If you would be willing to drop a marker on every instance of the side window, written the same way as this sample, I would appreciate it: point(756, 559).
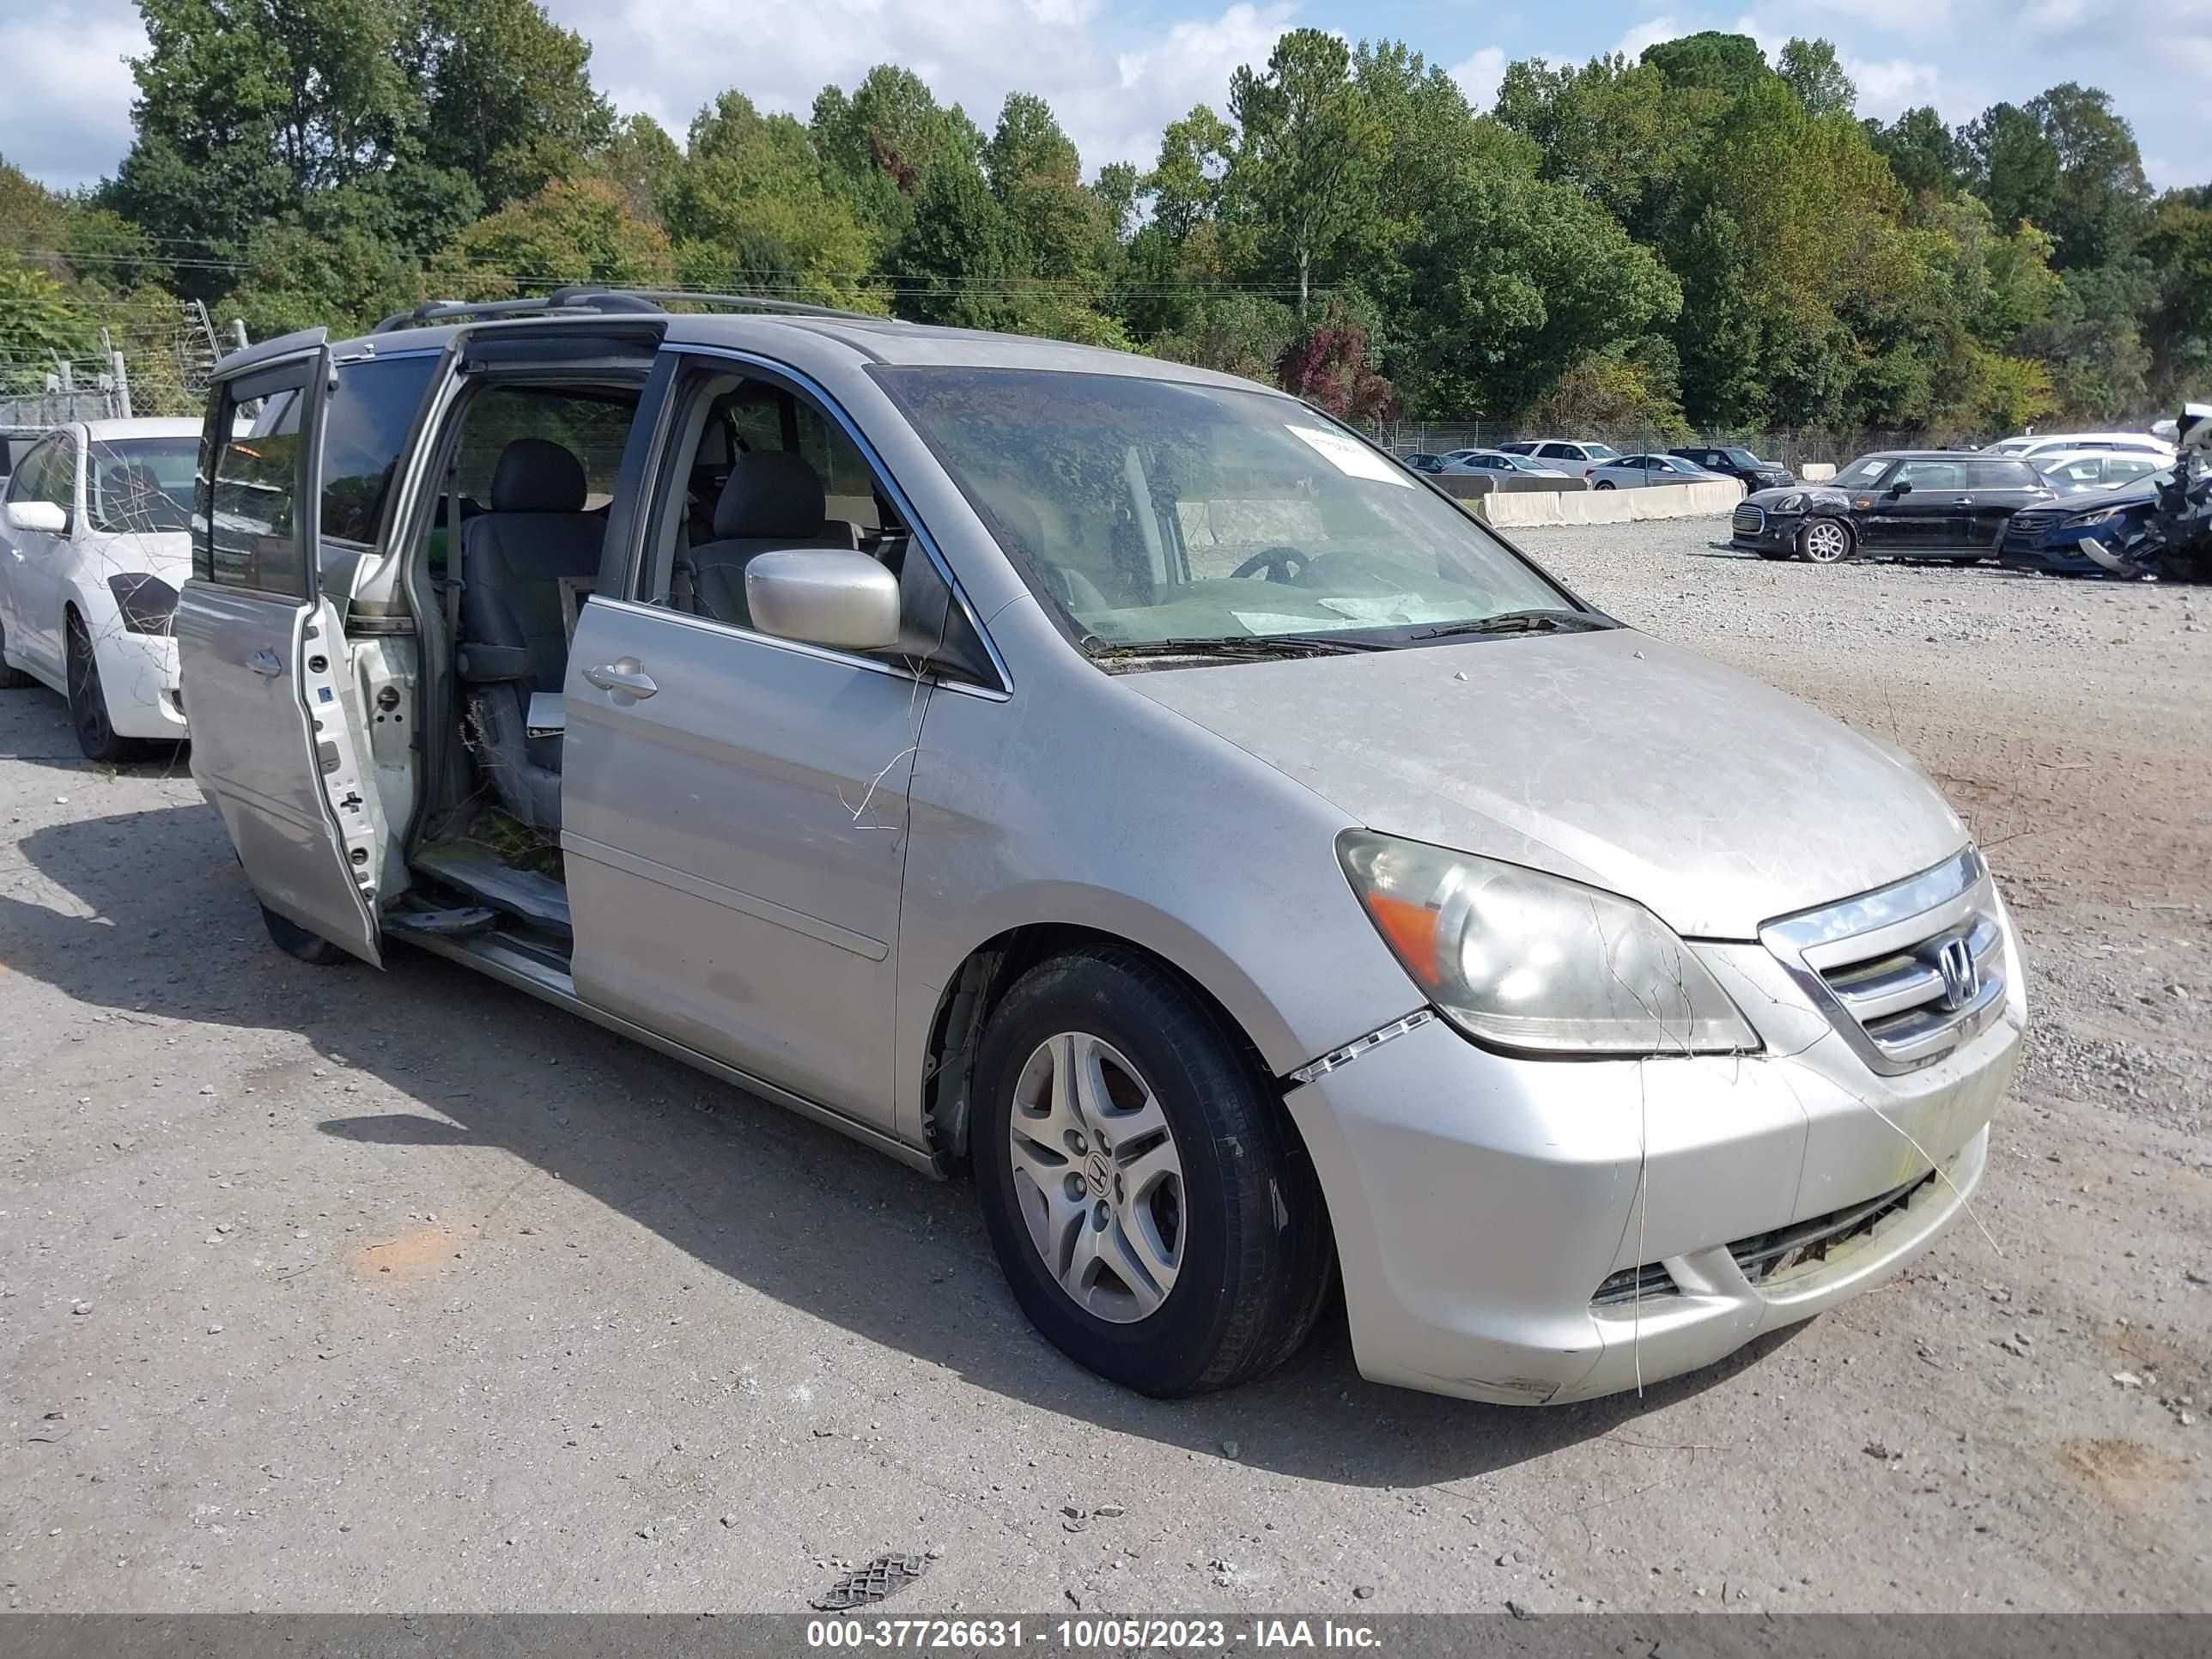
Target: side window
point(2117, 470)
point(28, 480)
point(371, 411)
point(248, 532)
point(1928, 474)
point(57, 478)
point(754, 467)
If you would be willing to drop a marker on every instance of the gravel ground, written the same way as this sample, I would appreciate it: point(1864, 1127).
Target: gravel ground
point(326, 1290)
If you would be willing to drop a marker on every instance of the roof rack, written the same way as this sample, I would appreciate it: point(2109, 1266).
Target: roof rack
point(582, 297)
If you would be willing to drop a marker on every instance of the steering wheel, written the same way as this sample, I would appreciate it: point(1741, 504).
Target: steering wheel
point(1282, 564)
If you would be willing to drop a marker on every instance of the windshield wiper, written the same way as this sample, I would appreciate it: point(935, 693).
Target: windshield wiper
point(1254, 646)
point(1519, 622)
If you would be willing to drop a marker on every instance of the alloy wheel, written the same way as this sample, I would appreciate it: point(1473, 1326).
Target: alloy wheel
point(1826, 541)
point(1099, 1178)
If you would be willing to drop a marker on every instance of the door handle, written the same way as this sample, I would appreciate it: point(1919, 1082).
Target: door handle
point(627, 675)
point(263, 662)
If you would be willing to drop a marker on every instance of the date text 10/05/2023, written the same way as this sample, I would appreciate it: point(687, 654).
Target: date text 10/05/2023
point(1081, 1635)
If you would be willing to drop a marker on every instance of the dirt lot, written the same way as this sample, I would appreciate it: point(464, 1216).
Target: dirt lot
point(334, 1290)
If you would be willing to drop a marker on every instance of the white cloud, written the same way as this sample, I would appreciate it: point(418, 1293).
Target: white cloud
point(1478, 75)
point(1650, 33)
point(66, 117)
point(1890, 88)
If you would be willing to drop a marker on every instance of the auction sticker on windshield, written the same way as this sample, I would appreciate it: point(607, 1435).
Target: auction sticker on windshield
point(1349, 457)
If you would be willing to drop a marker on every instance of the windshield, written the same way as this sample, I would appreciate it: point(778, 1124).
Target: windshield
point(1742, 457)
point(141, 483)
point(1147, 511)
point(1600, 452)
point(1859, 474)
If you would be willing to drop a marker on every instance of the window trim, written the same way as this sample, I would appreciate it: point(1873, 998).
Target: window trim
point(686, 357)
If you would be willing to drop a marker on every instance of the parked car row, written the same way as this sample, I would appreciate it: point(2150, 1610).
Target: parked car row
point(2034, 507)
point(1605, 467)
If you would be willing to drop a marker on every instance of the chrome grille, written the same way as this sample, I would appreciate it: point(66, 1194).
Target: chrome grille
point(1747, 520)
point(2037, 519)
point(1908, 973)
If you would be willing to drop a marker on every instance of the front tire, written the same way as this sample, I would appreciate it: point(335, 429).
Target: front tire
point(87, 700)
point(1602, 484)
point(1825, 541)
point(1145, 1191)
point(294, 940)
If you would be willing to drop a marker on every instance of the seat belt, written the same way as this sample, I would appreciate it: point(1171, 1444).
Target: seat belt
point(455, 576)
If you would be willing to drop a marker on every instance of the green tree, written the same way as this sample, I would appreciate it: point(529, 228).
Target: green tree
point(2015, 165)
point(640, 161)
point(566, 233)
point(2101, 199)
point(1186, 183)
point(39, 322)
point(1710, 61)
point(1235, 332)
point(752, 207)
point(884, 138)
point(962, 260)
point(1306, 151)
point(2178, 249)
point(507, 94)
point(1611, 128)
point(1522, 278)
point(1810, 70)
point(1927, 158)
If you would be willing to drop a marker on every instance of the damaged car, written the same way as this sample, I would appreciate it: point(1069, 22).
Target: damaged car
point(1118, 784)
point(1897, 504)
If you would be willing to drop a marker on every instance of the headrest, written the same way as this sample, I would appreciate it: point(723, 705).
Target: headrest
point(536, 474)
point(773, 493)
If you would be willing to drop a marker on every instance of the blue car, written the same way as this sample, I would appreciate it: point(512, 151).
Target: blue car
point(2050, 538)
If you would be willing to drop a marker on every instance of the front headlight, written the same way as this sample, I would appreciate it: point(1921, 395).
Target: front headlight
point(147, 603)
point(1525, 961)
point(1790, 503)
point(2082, 520)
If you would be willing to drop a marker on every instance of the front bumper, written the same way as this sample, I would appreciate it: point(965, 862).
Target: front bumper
point(1480, 1201)
point(138, 672)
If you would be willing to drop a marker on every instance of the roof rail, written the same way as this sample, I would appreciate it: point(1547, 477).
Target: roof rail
point(585, 297)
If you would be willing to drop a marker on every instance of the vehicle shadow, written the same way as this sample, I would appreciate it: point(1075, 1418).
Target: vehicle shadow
point(884, 1253)
point(38, 734)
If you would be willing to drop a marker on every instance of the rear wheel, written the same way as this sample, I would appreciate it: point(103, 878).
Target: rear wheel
point(1144, 1192)
point(1602, 484)
point(1825, 541)
point(295, 940)
point(11, 679)
point(87, 700)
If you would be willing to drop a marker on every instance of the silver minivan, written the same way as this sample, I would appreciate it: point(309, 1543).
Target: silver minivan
point(1117, 780)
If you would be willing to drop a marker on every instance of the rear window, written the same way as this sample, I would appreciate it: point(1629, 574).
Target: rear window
point(1997, 474)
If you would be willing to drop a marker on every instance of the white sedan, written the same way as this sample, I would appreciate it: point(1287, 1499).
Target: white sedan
point(1635, 471)
point(1493, 461)
point(95, 542)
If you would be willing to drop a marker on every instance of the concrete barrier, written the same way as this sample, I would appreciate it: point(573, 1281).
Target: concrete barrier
point(1694, 501)
point(1817, 471)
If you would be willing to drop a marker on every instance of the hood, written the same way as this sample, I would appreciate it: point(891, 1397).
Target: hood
point(164, 553)
point(1774, 495)
point(1611, 758)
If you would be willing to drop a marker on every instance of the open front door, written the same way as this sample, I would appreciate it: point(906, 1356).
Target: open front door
point(277, 746)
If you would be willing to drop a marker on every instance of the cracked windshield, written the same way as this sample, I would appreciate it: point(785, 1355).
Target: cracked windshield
point(1149, 512)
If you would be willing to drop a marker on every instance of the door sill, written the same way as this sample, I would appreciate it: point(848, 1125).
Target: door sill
point(542, 970)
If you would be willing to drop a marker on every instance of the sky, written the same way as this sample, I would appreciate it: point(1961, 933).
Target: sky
point(1117, 74)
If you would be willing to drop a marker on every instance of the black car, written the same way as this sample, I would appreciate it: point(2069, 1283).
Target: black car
point(1737, 462)
point(1420, 461)
point(1899, 504)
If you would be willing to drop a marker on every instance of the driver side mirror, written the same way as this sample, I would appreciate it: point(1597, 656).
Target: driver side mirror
point(38, 515)
point(1900, 489)
point(824, 596)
